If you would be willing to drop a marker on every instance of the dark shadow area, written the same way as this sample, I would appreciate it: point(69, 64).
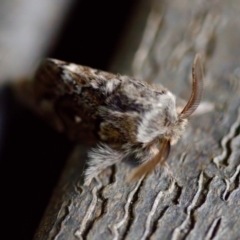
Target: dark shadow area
point(32, 155)
point(91, 33)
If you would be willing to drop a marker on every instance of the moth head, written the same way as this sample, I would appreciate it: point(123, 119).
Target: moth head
point(175, 130)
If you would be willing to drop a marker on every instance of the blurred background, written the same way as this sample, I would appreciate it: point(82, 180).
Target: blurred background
point(84, 32)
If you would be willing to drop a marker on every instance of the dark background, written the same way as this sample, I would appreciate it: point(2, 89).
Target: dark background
point(32, 155)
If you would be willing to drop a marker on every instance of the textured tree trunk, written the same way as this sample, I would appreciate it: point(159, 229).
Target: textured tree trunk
point(201, 201)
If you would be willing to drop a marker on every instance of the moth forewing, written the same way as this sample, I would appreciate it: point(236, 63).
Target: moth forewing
point(129, 118)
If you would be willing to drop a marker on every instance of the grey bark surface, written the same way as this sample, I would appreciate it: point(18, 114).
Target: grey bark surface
point(202, 200)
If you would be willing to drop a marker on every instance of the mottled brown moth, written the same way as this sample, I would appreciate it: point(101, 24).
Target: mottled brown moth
point(130, 118)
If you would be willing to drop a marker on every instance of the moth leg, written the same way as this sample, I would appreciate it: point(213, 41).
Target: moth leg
point(99, 159)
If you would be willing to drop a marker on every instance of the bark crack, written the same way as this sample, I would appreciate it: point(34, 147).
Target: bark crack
point(188, 224)
point(225, 143)
point(79, 233)
point(149, 220)
point(127, 211)
point(231, 184)
point(62, 217)
point(213, 229)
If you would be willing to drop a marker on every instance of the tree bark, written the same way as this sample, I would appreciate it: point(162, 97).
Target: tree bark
point(201, 201)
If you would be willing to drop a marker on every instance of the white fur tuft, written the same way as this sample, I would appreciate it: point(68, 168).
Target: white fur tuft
point(100, 158)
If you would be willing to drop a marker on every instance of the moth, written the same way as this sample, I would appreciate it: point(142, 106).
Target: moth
point(131, 119)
